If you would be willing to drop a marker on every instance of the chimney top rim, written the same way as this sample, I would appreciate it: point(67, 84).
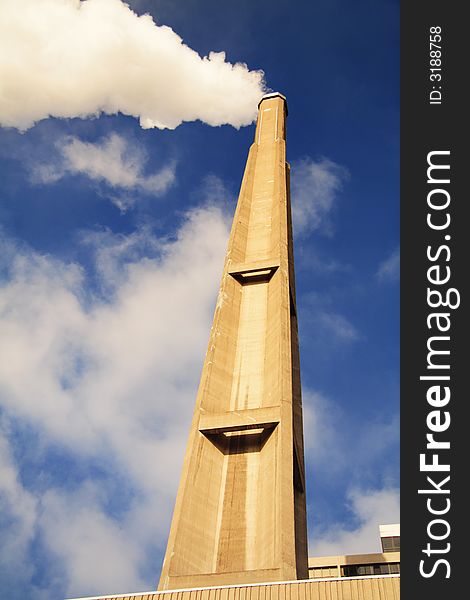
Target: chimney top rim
point(273, 95)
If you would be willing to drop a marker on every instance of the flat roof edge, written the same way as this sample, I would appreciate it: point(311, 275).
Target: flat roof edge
point(235, 585)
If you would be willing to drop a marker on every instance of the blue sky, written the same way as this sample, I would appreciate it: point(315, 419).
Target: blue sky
point(121, 155)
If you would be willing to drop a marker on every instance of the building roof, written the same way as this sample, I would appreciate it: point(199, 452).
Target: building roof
point(380, 587)
point(389, 530)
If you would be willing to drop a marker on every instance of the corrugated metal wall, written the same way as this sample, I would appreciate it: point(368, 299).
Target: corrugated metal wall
point(346, 588)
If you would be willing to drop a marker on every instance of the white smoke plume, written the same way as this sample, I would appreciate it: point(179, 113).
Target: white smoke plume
point(73, 58)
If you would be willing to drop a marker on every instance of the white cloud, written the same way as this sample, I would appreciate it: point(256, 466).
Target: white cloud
point(67, 58)
point(17, 508)
point(320, 416)
point(58, 356)
point(113, 160)
point(370, 508)
point(215, 191)
point(315, 185)
point(338, 325)
point(115, 253)
point(108, 380)
point(99, 551)
point(333, 326)
point(308, 259)
point(389, 269)
point(331, 438)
